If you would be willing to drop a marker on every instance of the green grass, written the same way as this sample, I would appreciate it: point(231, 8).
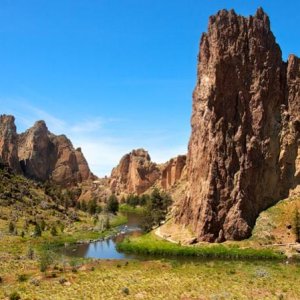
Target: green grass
point(154, 280)
point(126, 208)
point(150, 245)
point(119, 220)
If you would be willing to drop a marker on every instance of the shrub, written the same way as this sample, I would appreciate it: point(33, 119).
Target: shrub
point(30, 253)
point(46, 259)
point(35, 282)
point(53, 231)
point(14, 296)
point(125, 291)
point(22, 277)
point(11, 227)
point(62, 280)
point(37, 230)
point(92, 207)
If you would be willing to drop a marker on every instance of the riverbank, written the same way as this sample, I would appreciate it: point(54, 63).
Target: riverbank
point(126, 208)
point(149, 244)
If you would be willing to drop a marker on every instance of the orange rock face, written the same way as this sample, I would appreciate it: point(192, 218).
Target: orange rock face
point(244, 148)
point(41, 155)
point(134, 174)
point(44, 156)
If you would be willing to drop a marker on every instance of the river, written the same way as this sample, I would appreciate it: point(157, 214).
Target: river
point(106, 249)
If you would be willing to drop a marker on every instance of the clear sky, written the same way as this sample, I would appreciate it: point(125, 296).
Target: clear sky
point(114, 75)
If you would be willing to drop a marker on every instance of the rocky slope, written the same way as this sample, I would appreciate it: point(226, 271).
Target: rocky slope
point(244, 148)
point(41, 155)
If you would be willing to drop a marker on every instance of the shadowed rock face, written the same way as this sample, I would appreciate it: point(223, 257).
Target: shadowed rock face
point(44, 156)
point(8, 142)
point(134, 174)
point(172, 172)
point(244, 148)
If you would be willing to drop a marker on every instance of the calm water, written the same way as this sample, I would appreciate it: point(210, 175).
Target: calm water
point(106, 249)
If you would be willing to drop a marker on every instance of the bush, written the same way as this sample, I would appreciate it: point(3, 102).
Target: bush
point(22, 277)
point(37, 230)
point(30, 253)
point(53, 231)
point(46, 259)
point(14, 296)
point(92, 207)
point(125, 291)
point(11, 227)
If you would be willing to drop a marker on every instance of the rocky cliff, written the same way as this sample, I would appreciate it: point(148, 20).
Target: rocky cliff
point(44, 156)
point(41, 155)
point(244, 148)
point(8, 143)
point(134, 174)
point(172, 172)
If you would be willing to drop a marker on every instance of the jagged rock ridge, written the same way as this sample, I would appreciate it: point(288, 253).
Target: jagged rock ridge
point(136, 173)
point(41, 155)
point(244, 148)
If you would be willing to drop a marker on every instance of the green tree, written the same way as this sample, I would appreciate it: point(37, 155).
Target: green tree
point(112, 204)
point(156, 209)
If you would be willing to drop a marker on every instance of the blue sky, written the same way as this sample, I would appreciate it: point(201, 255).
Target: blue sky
point(114, 75)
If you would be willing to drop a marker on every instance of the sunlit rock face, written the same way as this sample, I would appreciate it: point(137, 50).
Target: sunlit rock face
point(45, 156)
point(244, 148)
point(135, 173)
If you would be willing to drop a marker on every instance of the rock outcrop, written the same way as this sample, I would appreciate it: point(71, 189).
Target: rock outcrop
point(244, 148)
point(41, 155)
point(172, 171)
point(8, 143)
point(45, 156)
point(135, 173)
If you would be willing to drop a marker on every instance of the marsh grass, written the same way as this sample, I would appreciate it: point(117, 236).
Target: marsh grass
point(151, 245)
point(126, 208)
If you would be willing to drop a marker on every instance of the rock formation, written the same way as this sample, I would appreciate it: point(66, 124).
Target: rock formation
point(44, 156)
point(172, 172)
point(244, 148)
point(8, 143)
point(41, 155)
point(134, 174)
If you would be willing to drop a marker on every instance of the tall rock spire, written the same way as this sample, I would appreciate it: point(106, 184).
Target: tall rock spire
point(237, 162)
